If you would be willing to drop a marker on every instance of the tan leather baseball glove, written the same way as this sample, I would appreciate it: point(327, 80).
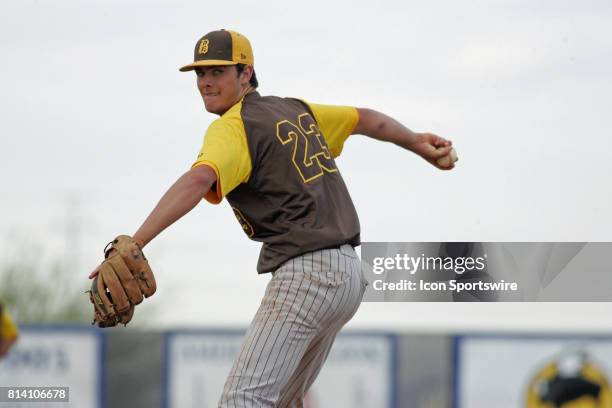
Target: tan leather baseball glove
point(123, 280)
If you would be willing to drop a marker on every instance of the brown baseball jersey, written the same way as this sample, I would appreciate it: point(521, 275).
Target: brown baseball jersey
point(274, 161)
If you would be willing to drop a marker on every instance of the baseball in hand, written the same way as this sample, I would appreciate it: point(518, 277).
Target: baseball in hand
point(448, 160)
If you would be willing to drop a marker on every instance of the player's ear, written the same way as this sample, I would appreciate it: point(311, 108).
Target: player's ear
point(245, 76)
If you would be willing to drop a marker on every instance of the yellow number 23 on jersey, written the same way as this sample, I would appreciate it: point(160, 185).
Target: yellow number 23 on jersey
point(311, 156)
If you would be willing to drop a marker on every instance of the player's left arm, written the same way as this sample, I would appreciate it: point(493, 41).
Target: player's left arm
point(379, 126)
point(180, 198)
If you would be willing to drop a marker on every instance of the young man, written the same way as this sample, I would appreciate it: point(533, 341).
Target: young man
point(8, 331)
point(273, 160)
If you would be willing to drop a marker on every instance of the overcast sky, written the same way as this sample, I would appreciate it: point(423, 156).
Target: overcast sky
point(97, 122)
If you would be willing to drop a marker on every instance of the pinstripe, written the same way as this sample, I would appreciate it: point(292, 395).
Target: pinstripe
point(290, 385)
point(281, 308)
point(297, 356)
point(269, 310)
point(284, 368)
point(347, 313)
point(292, 361)
point(315, 350)
point(325, 347)
point(281, 305)
point(285, 345)
point(327, 337)
point(307, 359)
point(303, 356)
point(319, 308)
point(248, 351)
point(294, 346)
point(256, 328)
point(304, 379)
point(252, 343)
point(300, 378)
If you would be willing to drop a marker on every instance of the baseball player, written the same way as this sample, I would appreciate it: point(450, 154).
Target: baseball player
point(8, 331)
point(272, 159)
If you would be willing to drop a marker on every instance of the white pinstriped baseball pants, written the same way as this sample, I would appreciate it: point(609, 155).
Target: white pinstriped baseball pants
point(307, 301)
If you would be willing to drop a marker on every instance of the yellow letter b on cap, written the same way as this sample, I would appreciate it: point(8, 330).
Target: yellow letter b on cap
point(203, 46)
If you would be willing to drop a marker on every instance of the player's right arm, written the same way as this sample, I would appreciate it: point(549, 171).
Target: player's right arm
point(381, 127)
point(338, 122)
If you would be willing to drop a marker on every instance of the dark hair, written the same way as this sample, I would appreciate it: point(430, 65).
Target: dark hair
point(254, 83)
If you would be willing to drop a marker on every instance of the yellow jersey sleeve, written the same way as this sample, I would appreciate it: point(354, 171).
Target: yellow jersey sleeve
point(336, 123)
point(226, 151)
point(8, 329)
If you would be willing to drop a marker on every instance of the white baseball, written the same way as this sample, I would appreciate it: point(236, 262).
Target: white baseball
point(448, 160)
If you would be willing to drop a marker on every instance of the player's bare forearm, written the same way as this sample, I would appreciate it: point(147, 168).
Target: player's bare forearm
point(379, 126)
point(180, 198)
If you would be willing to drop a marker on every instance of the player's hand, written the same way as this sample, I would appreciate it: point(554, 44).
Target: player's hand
point(94, 273)
point(432, 147)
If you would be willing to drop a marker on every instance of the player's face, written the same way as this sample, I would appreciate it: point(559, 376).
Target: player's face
point(220, 87)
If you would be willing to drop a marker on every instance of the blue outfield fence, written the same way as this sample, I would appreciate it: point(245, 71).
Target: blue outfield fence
point(380, 369)
point(355, 354)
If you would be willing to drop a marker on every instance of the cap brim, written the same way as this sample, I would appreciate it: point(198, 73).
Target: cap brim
point(206, 63)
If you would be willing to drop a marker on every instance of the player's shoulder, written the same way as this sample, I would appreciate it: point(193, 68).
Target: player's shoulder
point(229, 121)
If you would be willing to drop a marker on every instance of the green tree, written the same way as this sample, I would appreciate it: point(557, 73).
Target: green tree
point(42, 294)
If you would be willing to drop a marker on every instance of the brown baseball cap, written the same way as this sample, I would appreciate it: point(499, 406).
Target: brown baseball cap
point(221, 47)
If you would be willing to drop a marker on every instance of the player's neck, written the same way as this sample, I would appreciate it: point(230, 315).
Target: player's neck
point(249, 89)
